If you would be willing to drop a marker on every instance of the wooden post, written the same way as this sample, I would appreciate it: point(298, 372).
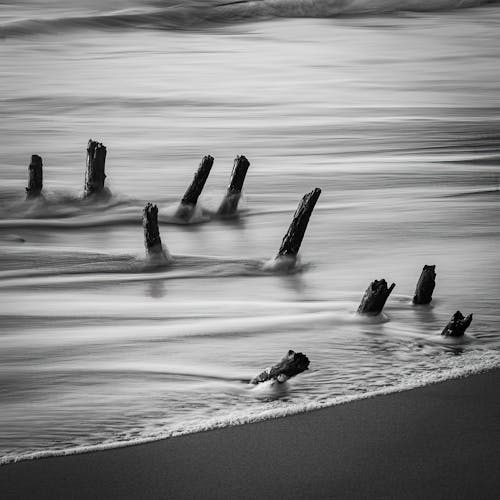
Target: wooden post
point(425, 286)
point(200, 177)
point(35, 182)
point(292, 364)
point(229, 204)
point(293, 238)
point(152, 240)
point(375, 296)
point(457, 325)
point(94, 176)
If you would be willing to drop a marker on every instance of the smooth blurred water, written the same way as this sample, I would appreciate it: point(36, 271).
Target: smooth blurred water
point(396, 117)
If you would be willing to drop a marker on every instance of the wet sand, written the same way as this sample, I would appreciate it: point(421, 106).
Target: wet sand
point(439, 441)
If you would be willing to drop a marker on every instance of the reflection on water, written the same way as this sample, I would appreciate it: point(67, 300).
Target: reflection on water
point(396, 118)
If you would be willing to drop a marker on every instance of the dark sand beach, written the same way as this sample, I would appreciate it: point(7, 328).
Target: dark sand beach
point(439, 441)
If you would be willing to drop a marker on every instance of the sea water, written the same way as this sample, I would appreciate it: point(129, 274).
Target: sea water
point(391, 108)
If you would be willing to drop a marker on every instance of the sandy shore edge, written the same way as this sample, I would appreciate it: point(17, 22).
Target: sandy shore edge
point(437, 441)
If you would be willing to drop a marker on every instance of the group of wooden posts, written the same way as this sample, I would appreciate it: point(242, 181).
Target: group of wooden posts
point(293, 363)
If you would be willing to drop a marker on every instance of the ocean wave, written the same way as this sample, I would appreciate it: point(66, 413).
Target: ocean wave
point(197, 15)
point(477, 363)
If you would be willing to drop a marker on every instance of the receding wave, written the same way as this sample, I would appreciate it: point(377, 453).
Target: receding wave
point(478, 363)
point(196, 15)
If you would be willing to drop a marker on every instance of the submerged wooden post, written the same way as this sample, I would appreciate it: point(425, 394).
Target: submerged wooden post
point(375, 296)
point(35, 182)
point(200, 177)
point(293, 238)
point(152, 240)
point(94, 175)
point(290, 365)
point(230, 202)
point(425, 286)
point(457, 325)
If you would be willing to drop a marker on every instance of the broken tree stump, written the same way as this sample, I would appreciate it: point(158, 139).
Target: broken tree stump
point(292, 364)
point(292, 240)
point(194, 190)
point(230, 202)
point(35, 182)
point(457, 325)
point(425, 286)
point(152, 240)
point(94, 175)
point(375, 296)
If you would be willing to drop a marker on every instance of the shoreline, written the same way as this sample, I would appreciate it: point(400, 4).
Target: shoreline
point(438, 441)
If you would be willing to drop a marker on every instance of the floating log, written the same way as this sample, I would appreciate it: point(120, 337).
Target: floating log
point(230, 202)
point(293, 238)
point(95, 176)
point(457, 325)
point(375, 296)
point(35, 182)
point(292, 364)
point(152, 240)
point(425, 286)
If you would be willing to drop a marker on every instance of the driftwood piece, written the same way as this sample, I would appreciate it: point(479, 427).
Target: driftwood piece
point(200, 177)
point(35, 182)
point(375, 296)
point(457, 325)
point(293, 238)
point(230, 202)
point(292, 364)
point(95, 175)
point(425, 286)
point(152, 240)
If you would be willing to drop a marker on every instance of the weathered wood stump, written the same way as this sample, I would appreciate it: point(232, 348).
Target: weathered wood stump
point(194, 190)
point(292, 240)
point(425, 286)
point(230, 202)
point(35, 182)
point(375, 296)
point(152, 240)
point(457, 325)
point(94, 175)
point(292, 364)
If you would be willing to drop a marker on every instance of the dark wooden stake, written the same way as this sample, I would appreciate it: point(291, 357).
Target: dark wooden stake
point(35, 182)
point(293, 238)
point(375, 296)
point(230, 202)
point(200, 177)
point(95, 176)
point(152, 240)
point(457, 325)
point(292, 364)
point(425, 286)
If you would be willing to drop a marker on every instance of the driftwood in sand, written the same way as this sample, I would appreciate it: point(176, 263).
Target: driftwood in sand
point(230, 202)
point(292, 364)
point(152, 240)
point(94, 175)
point(425, 286)
point(375, 296)
point(35, 182)
point(293, 238)
point(457, 325)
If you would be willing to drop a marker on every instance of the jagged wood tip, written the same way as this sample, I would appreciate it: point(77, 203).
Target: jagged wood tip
point(95, 172)
point(35, 181)
point(230, 202)
point(292, 240)
point(200, 178)
point(375, 297)
point(457, 325)
point(290, 365)
point(425, 286)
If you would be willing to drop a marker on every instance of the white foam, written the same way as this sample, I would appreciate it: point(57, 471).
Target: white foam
point(456, 368)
